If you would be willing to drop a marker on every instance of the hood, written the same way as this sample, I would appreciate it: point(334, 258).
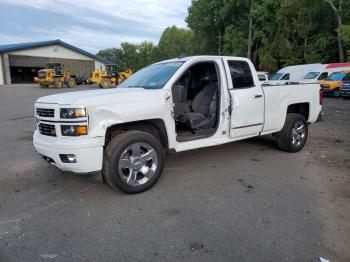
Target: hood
point(102, 97)
point(329, 82)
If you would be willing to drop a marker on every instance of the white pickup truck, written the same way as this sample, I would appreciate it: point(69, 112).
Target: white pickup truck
point(173, 105)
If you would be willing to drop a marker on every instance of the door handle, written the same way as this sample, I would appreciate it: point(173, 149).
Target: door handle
point(257, 96)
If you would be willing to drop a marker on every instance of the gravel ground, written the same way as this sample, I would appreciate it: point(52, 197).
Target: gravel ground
point(244, 201)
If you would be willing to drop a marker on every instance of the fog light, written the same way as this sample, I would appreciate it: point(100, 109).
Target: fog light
point(68, 158)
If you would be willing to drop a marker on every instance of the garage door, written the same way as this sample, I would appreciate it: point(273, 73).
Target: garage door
point(22, 68)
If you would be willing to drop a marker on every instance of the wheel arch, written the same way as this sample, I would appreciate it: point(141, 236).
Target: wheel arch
point(300, 108)
point(155, 127)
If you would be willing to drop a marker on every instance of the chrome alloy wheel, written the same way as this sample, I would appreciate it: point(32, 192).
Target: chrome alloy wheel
point(138, 164)
point(298, 133)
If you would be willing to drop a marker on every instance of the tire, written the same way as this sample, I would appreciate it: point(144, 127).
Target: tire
point(292, 138)
point(105, 83)
point(336, 93)
point(71, 82)
point(126, 170)
point(44, 86)
point(57, 82)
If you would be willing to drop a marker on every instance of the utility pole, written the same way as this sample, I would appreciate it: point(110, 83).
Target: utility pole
point(250, 32)
point(338, 12)
point(219, 41)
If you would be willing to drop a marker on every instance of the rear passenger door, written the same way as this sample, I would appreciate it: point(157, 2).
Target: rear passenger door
point(247, 99)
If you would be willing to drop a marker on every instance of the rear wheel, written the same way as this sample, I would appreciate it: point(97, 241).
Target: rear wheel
point(293, 136)
point(57, 83)
point(133, 162)
point(71, 82)
point(105, 83)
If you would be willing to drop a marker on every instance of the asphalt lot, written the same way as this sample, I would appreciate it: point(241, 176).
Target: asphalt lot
point(244, 201)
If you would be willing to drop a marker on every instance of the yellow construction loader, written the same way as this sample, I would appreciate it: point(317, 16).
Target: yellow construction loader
point(53, 74)
point(110, 76)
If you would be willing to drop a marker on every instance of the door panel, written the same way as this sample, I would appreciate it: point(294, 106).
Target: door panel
point(247, 99)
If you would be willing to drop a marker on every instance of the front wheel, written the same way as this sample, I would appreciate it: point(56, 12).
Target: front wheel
point(105, 83)
point(293, 136)
point(133, 162)
point(71, 82)
point(57, 83)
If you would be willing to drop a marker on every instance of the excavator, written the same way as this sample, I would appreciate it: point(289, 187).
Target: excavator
point(110, 76)
point(53, 74)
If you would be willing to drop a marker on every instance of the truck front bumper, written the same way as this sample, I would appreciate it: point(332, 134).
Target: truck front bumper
point(88, 152)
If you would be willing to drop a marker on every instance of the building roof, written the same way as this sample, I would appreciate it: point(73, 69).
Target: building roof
point(21, 46)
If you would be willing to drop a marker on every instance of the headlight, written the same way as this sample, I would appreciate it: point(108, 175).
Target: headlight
point(72, 113)
point(74, 130)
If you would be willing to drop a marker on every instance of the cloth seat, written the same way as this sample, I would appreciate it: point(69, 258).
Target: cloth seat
point(180, 91)
point(204, 107)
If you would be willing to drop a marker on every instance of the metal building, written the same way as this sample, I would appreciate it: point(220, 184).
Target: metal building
point(19, 63)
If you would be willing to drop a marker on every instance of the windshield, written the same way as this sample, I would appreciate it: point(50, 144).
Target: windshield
point(152, 77)
point(312, 75)
point(337, 76)
point(276, 76)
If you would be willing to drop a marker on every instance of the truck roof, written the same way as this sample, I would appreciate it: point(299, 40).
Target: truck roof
point(184, 59)
point(336, 65)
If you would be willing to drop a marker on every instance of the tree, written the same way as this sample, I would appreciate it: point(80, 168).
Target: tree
point(338, 11)
point(250, 31)
point(176, 41)
point(273, 33)
point(346, 39)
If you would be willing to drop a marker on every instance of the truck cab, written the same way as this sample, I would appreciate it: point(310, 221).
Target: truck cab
point(171, 106)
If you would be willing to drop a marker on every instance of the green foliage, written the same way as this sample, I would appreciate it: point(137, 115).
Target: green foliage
point(346, 39)
point(285, 32)
point(175, 41)
point(131, 56)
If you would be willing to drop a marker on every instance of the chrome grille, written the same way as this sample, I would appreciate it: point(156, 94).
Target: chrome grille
point(45, 112)
point(47, 130)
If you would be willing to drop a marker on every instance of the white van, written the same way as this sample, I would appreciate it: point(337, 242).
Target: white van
point(263, 77)
point(323, 71)
point(291, 74)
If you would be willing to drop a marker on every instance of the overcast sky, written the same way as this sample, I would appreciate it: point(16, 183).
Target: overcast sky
point(89, 24)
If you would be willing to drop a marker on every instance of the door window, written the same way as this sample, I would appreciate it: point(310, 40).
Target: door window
point(346, 78)
point(323, 76)
point(241, 74)
point(285, 77)
point(262, 77)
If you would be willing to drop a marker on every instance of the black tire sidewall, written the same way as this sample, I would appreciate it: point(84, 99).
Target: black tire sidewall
point(284, 140)
point(118, 149)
